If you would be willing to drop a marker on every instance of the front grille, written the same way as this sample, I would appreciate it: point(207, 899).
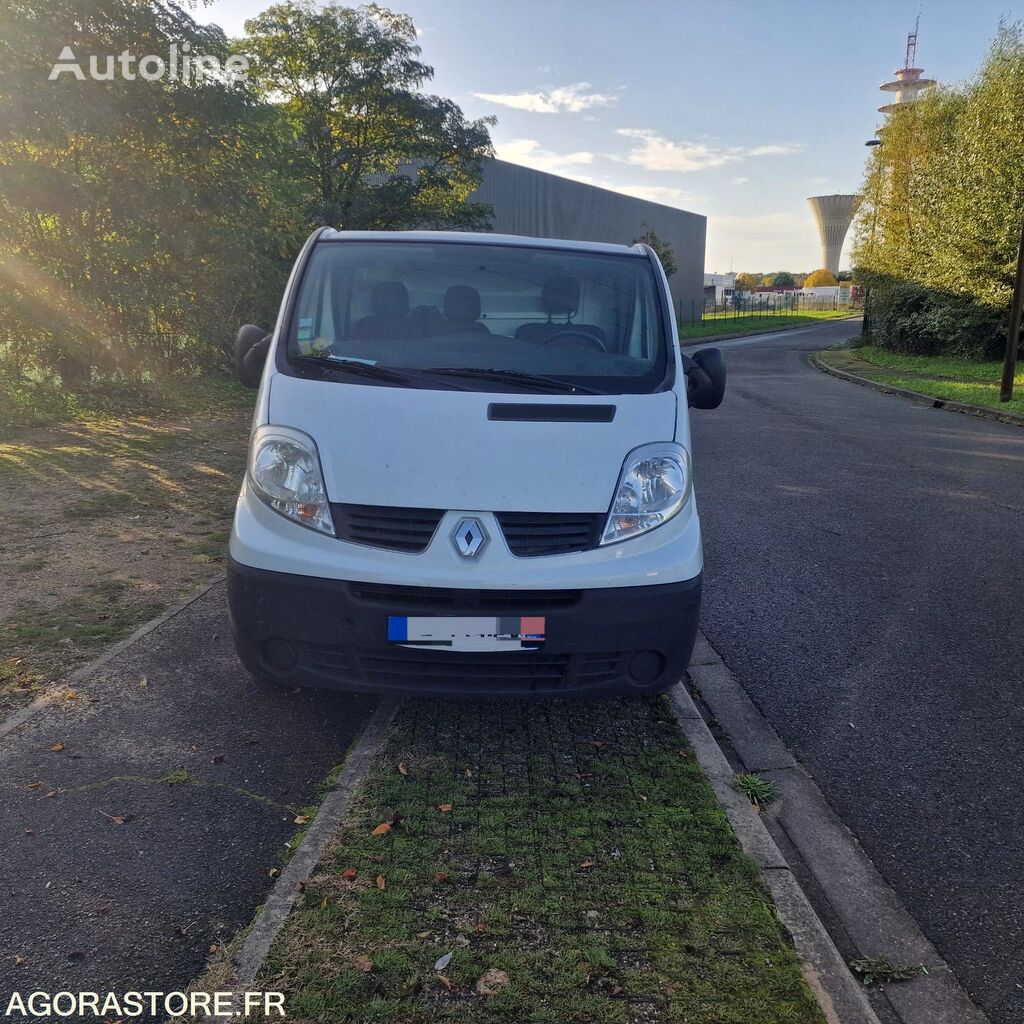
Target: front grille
point(513, 602)
point(384, 526)
point(529, 534)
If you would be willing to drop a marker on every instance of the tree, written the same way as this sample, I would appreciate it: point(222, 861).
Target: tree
point(820, 278)
point(373, 150)
point(139, 220)
point(664, 249)
point(780, 279)
point(747, 282)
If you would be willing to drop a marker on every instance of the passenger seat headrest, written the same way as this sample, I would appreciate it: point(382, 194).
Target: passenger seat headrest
point(462, 303)
point(560, 295)
point(390, 299)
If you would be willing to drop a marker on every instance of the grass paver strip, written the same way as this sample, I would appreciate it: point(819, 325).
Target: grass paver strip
point(715, 324)
point(583, 856)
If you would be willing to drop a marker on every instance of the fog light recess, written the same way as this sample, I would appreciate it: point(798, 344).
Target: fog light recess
point(646, 666)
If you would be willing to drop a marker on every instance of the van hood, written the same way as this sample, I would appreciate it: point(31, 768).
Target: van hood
point(439, 449)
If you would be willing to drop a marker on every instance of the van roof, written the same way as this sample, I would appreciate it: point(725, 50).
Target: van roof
point(479, 237)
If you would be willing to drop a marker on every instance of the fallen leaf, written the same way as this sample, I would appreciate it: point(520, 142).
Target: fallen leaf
point(71, 694)
point(402, 770)
point(29, 832)
point(491, 982)
point(381, 882)
point(349, 874)
point(440, 876)
point(480, 926)
point(143, 681)
point(117, 819)
point(382, 828)
point(12, 661)
point(443, 962)
point(57, 747)
point(444, 808)
point(217, 759)
point(33, 785)
point(300, 819)
point(597, 744)
point(423, 935)
point(214, 948)
point(46, 796)
point(363, 962)
point(446, 982)
point(586, 864)
point(274, 872)
point(19, 960)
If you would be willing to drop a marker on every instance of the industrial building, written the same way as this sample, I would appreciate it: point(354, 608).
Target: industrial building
point(529, 202)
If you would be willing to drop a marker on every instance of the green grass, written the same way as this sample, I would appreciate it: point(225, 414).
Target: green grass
point(955, 380)
point(725, 323)
point(32, 399)
point(583, 855)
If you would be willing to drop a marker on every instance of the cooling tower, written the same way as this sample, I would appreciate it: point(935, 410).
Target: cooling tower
point(833, 215)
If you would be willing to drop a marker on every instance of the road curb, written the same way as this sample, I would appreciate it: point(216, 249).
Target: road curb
point(917, 397)
point(335, 806)
point(841, 997)
point(822, 857)
point(84, 672)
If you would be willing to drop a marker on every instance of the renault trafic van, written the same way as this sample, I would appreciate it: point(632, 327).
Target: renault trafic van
point(470, 470)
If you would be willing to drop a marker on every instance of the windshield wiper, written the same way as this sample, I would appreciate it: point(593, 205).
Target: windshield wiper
point(513, 377)
point(361, 369)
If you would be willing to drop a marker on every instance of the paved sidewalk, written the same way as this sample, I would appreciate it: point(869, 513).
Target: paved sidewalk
point(206, 770)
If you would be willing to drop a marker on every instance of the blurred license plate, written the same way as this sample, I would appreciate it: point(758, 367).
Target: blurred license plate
point(468, 633)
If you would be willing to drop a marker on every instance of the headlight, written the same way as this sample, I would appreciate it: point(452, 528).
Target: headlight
point(284, 469)
point(653, 487)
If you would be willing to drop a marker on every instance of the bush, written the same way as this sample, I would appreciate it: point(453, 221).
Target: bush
point(822, 278)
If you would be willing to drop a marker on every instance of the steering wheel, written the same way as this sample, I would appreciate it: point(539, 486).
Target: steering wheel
point(570, 338)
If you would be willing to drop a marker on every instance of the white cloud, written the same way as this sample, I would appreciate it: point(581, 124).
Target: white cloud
point(661, 194)
point(565, 99)
point(530, 153)
point(739, 180)
point(654, 152)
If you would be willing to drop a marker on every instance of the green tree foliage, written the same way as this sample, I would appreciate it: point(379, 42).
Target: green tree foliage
point(372, 148)
point(943, 196)
point(748, 282)
point(664, 249)
point(139, 220)
point(780, 279)
point(819, 279)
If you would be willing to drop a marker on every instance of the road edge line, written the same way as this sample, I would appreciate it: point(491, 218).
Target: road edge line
point(271, 916)
point(83, 672)
point(917, 397)
point(841, 997)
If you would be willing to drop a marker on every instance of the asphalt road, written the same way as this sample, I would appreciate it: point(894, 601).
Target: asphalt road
point(150, 834)
point(865, 583)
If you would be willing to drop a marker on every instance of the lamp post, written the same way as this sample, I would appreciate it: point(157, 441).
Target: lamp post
point(1013, 331)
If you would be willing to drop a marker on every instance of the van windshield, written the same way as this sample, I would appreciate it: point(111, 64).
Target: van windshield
point(479, 317)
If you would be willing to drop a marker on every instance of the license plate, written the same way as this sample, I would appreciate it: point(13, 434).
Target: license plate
point(468, 633)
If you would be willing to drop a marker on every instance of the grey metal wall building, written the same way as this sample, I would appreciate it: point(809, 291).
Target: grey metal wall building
point(529, 202)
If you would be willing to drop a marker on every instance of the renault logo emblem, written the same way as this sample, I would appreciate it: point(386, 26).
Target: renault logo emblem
point(469, 537)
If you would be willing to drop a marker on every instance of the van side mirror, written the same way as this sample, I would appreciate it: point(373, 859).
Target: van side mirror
point(251, 346)
point(705, 378)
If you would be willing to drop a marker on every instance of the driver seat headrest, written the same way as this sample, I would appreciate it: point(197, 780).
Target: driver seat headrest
point(390, 299)
point(560, 295)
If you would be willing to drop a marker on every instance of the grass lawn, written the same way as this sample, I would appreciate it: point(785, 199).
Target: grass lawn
point(956, 380)
point(725, 323)
point(115, 508)
point(547, 863)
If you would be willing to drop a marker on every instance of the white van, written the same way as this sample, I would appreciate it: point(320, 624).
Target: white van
point(470, 470)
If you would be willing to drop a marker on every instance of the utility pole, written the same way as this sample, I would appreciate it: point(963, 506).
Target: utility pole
point(1013, 332)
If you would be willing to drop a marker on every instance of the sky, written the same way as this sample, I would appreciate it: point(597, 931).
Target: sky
point(734, 109)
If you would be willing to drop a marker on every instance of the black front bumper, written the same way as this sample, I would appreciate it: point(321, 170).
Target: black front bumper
point(306, 631)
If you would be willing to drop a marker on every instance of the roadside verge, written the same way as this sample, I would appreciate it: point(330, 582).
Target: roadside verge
point(819, 361)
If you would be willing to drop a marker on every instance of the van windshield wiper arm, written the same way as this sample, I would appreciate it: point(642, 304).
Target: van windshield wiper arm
point(513, 377)
point(361, 369)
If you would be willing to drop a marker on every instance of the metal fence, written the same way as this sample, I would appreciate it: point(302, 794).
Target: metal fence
point(745, 305)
